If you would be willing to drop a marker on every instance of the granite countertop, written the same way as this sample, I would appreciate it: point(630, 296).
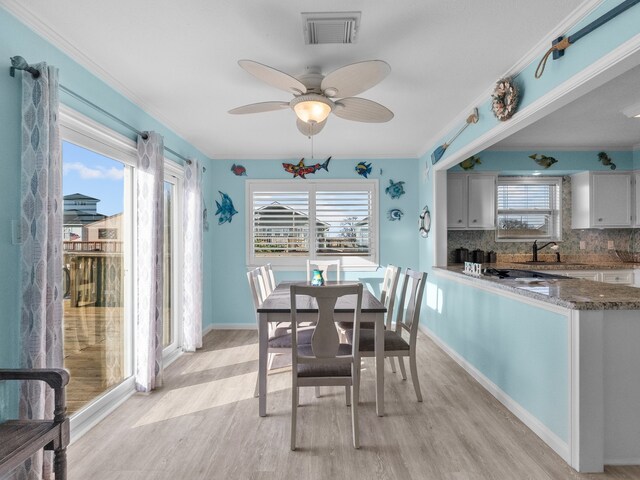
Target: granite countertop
point(558, 266)
point(573, 293)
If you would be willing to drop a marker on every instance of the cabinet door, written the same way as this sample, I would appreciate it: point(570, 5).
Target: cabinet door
point(482, 202)
point(586, 274)
point(611, 200)
point(457, 201)
point(624, 277)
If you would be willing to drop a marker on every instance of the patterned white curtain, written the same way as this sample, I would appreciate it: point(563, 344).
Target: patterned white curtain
point(148, 262)
point(41, 249)
point(192, 296)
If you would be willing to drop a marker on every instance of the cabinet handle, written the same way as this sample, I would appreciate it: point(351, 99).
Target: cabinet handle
point(459, 221)
point(599, 219)
point(474, 220)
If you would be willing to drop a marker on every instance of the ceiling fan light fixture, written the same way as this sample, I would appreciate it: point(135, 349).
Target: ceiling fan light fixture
point(312, 108)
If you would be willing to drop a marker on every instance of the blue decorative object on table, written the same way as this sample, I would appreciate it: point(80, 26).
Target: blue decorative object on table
point(317, 280)
point(225, 209)
point(395, 190)
point(395, 214)
point(363, 168)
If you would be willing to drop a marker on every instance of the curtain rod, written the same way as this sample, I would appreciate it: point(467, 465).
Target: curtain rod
point(19, 63)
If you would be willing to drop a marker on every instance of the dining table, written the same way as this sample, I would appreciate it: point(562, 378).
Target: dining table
point(277, 308)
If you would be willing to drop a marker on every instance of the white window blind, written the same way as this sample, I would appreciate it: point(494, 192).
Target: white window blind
point(294, 220)
point(529, 208)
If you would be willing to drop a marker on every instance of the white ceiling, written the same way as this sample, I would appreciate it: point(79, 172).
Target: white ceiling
point(594, 121)
point(178, 60)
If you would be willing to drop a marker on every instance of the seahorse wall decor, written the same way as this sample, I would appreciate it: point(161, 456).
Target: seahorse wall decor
point(606, 160)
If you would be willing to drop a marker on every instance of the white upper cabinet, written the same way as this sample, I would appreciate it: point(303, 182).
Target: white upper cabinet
point(471, 201)
point(601, 200)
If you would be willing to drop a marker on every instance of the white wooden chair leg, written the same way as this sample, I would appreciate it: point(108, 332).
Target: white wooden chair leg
point(317, 392)
point(402, 369)
point(393, 364)
point(414, 375)
point(294, 412)
point(347, 393)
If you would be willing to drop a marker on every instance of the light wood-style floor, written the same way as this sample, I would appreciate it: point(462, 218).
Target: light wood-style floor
point(204, 424)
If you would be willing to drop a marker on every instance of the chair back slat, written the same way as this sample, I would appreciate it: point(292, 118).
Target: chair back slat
point(325, 341)
point(254, 278)
point(268, 278)
point(325, 266)
point(409, 309)
point(388, 291)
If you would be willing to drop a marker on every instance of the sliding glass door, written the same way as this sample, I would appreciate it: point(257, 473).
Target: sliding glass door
point(172, 274)
point(96, 245)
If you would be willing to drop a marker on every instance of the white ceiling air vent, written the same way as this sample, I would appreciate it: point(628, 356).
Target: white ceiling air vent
point(330, 27)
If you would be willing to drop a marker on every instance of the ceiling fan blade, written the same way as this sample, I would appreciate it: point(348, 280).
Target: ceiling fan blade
point(274, 77)
point(310, 129)
point(362, 110)
point(260, 107)
point(355, 78)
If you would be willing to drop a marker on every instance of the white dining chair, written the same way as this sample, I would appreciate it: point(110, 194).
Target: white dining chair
point(279, 339)
point(406, 321)
point(325, 361)
point(325, 266)
point(268, 278)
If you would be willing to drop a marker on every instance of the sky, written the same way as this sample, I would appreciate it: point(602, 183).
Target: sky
point(94, 175)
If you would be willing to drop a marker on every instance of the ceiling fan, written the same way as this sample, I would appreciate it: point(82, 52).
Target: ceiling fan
point(316, 95)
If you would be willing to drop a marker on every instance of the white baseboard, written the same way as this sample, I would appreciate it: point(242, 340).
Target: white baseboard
point(622, 461)
point(556, 443)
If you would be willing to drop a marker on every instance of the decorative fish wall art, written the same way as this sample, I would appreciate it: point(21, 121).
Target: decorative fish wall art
point(239, 170)
point(606, 160)
point(226, 210)
point(395, 190)
point(395, 214)
point(364, 169)
point(543, 160)
point(300, 170)
point(470, 162)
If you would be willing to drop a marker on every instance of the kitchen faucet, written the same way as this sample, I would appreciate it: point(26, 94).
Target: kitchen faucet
point(535, 249)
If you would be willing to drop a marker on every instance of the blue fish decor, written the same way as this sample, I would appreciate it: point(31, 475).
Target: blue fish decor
point(543, 160)
point(395, 214)
point(395, 190)
point(226, 211)
point(364, 169)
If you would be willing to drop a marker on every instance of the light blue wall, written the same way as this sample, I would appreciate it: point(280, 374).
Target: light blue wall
point(228, 302)
point(482, 328)
point(521, 348)
point(16, 39)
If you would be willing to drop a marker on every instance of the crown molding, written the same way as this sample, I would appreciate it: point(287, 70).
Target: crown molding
point(534, 53)
point(24, 15)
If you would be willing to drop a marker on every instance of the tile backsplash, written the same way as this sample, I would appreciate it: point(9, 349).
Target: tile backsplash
point(596, 240)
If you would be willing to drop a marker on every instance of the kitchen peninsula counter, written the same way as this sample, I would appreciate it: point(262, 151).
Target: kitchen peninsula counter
point(572, 293)
point(560, 353)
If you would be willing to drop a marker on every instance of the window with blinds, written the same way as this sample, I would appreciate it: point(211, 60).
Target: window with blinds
point(291, 221)
point(529, 209)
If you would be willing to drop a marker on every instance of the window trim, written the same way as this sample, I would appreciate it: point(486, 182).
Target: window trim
point(528, 180)
point(349, 263)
